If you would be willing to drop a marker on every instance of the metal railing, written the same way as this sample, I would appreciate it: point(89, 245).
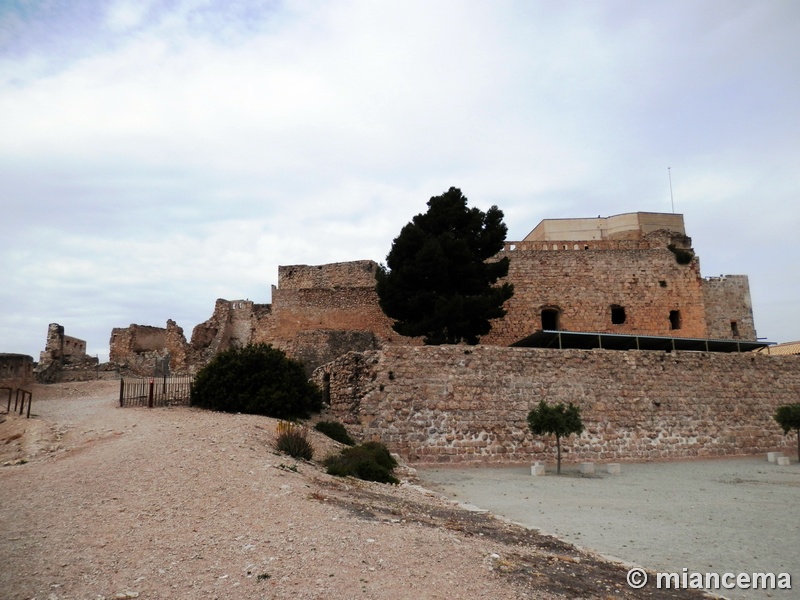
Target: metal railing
point(19, 400)
point(155, 391)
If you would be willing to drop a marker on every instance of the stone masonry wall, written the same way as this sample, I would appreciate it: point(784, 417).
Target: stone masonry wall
point(729, 311)
point(296, 310)
point(583, 286)
point(135, 339)
point(64, 358)
point(16, 370)
point(470, 404)
point(59, 346)
point(357, 273)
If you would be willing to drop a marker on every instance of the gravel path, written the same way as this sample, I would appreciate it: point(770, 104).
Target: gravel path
point(99, 502)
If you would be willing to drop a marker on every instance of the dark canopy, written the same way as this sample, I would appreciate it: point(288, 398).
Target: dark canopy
point(614, 341)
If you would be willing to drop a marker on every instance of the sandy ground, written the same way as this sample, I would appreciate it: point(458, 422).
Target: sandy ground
point(726, 515)
point(99, 502)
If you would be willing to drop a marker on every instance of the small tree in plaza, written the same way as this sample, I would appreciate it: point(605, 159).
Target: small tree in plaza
point(788, 417)
point(558, 420)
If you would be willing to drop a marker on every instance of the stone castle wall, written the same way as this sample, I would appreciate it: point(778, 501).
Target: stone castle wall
point(136, 339)
point(60, 346)
point(350, 309)
point(317, 314)
point(729, 311)
point(467, 404)
point(354, 274)
point(647, 284)
point(64, 358)
point(16, 370)
point(627, 286)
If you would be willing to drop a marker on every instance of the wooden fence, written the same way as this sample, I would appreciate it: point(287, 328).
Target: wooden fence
point(155, 391)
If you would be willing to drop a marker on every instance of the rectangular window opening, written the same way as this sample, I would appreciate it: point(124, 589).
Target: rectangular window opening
point(674, 319)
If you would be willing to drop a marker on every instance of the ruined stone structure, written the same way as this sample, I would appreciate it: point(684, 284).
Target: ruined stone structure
point(633, 274)
point(138, 347)
point(317, 313)
point(459, 404)
point(64, 357)
point(16, 370)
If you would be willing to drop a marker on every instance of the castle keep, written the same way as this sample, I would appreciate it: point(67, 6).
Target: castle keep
point(628, 274)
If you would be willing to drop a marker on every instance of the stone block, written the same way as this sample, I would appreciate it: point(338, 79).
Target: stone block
point(587, 468)
point(773, 456)
point(537, 469)
point(613, 469)
point(783, 461)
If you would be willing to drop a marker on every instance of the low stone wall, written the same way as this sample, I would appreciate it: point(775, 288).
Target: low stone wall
point(459, 403)
point(16, 370)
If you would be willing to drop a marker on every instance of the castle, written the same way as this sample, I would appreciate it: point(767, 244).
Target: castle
point(609, 313)
point(630, 274)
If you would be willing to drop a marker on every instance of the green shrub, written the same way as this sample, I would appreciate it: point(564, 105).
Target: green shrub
point(293, 440)
point(335, 431)
point(256, 379)
point(370, 461)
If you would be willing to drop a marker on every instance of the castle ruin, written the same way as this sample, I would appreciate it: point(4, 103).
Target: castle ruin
point(317, 313)
point(64, 358)
point(627, 282)
point(631, 274)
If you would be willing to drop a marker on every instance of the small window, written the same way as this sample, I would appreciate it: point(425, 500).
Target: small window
point(674, 319)
point(735, 329)
point(617, 314)
point(662, 283)
point(586, 247)
point(550, 319)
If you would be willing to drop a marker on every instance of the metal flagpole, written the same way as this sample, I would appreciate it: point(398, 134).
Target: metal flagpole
point(669, 172)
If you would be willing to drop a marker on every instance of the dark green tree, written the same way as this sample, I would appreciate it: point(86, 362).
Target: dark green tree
point(438, 281)
point(256, 379)
point(788, 417)
point(558, 420)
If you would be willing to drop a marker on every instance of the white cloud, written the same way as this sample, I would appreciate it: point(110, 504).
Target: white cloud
point(158, 155)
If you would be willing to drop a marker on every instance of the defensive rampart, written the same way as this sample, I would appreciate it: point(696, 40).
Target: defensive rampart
point(16, 370)
point(470, 404)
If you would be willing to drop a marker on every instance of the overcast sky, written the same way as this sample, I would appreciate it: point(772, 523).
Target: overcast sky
point(158, 155)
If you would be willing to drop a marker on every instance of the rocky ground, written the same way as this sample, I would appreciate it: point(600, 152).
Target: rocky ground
point(102, 502)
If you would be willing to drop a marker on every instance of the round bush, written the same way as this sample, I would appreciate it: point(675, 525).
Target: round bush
point(256, 379)
point(335, 431)
point(370, 461)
